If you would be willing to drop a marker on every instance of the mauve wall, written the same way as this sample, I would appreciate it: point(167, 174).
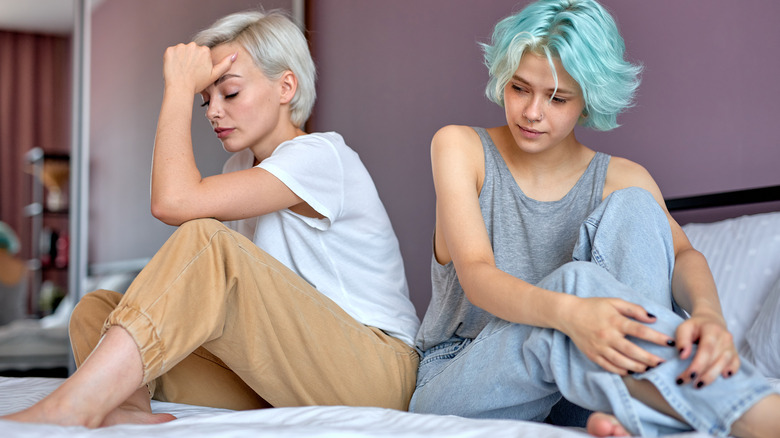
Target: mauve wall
point(393, 72)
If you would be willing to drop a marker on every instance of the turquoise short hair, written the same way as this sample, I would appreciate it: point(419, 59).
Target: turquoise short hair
point(8, 239)
point(584, 36)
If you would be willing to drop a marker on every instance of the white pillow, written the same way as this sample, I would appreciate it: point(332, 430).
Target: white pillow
point(744, 256)
point(762, 343)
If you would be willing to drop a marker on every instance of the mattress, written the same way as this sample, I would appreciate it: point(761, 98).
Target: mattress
point(312, 421)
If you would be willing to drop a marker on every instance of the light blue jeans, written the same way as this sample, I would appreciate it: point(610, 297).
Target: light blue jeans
point(519, 372)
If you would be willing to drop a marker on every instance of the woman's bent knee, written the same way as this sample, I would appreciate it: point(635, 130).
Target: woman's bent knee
point(94, 306)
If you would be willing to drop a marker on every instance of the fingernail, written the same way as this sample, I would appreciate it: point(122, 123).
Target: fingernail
point(233, 58)
point(630, 372)
point(681, 350)
point(648, 368)
point(730, 373)
point(696, 342)
point(700, 384)
point(650, 315)
point(679, 381)
point(671, 343)
point(693, 375)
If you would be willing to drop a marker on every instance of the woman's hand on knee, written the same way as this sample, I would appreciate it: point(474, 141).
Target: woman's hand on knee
point(715, 353)
point(600, 329)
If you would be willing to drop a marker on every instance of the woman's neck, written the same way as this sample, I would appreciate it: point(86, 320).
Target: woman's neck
point(283, 133)
point(547, 175)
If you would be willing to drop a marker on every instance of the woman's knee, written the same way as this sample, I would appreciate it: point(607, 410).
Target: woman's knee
point(633, 197)
point(206, 225)
point(94, 306)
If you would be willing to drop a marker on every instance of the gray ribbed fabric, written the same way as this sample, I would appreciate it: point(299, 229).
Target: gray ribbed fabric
point(530, 239)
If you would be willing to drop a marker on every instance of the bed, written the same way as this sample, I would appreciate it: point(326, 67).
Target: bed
point(743, 252)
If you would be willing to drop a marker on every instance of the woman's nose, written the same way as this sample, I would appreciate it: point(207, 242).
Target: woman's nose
point(214, 110)
point(534, 109)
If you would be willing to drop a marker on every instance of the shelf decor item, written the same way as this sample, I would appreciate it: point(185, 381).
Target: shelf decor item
point(55, 177)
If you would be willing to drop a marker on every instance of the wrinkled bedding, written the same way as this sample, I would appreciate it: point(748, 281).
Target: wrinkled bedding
point(313, 421)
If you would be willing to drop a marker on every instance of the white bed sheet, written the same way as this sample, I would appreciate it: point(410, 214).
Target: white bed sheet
point(314, 421)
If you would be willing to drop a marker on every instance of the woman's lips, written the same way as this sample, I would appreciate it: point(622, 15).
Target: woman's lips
point(223, 132)
point(529, 133)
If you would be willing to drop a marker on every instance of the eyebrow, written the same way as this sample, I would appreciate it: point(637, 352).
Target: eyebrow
point(558, 91)
point(225, 77)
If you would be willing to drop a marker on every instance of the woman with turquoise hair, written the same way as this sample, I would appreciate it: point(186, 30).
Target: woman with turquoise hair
point(557, 270)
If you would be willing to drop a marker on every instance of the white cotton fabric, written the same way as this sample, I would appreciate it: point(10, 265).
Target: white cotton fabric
point(762, 343)
point(744, 256)
point(352, 254)
point(299, 422)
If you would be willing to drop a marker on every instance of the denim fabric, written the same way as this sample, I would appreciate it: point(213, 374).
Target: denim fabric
point(519, 372)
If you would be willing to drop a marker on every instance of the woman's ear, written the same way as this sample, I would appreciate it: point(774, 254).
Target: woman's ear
point(289, 85)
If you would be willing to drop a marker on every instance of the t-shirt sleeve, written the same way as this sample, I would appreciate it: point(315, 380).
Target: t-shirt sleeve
point(311, 167)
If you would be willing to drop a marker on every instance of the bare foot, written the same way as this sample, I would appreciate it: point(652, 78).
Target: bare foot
point(601, 424)
point(36, 416)
point(120, 415)
point(127, 414)
point(47, 412)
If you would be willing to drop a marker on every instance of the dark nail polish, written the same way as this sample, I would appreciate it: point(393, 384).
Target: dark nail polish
point(630, 373)
point(700, 384)
point(693, 375)
point(650, 315)
point(696, 342)
point(670, 343)
point(681, 350)
point(730, 373)
point(679, 381)
point(648, 368)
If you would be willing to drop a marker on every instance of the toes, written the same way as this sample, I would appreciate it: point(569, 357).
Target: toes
point(601, 424)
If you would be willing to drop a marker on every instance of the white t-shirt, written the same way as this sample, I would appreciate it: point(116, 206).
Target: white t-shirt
point(352, 254)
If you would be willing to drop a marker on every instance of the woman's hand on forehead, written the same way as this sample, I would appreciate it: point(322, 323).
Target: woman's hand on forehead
point(189, 66)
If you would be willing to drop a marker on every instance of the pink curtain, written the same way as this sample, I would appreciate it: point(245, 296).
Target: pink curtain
point(34, 112)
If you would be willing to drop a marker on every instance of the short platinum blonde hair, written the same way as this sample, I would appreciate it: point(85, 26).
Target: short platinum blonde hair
point(276, 45)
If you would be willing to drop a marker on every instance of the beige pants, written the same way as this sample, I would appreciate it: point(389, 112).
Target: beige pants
point(221, 323)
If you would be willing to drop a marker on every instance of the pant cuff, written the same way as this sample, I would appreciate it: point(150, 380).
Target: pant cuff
point(144, 333)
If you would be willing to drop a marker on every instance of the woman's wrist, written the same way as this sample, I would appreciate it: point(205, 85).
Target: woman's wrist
point(562, 310)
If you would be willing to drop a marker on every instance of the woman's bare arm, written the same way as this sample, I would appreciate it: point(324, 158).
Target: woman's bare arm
point(179, 192)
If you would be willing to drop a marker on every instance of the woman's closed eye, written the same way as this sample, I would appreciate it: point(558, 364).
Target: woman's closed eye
point(227, 96)
point(518, 88)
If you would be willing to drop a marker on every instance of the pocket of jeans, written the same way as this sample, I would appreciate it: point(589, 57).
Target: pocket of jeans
point(434, 359)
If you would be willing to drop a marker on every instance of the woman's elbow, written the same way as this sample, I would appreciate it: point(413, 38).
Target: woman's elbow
point(166, 213)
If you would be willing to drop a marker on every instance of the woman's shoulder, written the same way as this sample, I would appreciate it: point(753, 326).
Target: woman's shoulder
point(456, 139)
point(313, 146)
point(457, 134)
point(623, 173)
point(332, 139)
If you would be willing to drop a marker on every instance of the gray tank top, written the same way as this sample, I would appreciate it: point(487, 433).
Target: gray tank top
point(530, 239)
